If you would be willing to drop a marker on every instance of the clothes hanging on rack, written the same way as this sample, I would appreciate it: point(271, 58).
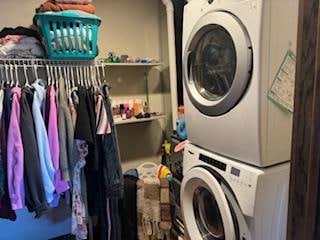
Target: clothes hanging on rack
point(15, 164)
point(61, 137)
point(66, 133)
point(5, 203)
point(34, 188)
point(46, 163)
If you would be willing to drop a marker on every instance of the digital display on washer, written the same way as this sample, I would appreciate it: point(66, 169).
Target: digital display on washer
point(235, 171)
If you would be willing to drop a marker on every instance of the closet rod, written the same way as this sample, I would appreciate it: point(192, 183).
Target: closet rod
point(44, 62)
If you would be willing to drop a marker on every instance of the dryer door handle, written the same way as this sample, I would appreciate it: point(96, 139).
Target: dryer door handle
point(186, 66)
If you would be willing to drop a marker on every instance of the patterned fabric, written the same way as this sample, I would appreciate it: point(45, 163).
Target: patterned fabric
point(79, 222)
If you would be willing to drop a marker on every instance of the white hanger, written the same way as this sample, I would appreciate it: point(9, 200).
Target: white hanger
point(11, 75)
point(93, 76)
point(56, 77)
point(66, 71)
point(51, 75)
point(86, 79)
point(81, 76)
point(7, 73)
point(48, 74)
point(78, 75)
point(26, 76)
point(72, 78)
point(103, 73)
point(2, 75)
point(98, 74)
point(17, 75)
point(35, 69)
point(87, 76)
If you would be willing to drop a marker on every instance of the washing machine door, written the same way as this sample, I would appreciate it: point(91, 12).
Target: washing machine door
point(217, 63)
point(210, 210)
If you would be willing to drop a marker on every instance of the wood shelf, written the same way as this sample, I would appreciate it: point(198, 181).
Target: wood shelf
point(119, 121)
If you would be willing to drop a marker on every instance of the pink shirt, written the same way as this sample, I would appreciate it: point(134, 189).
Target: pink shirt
point(53, 137)
point(15, 154)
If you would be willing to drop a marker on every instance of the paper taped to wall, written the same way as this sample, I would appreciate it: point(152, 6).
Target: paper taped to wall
point(282, 89)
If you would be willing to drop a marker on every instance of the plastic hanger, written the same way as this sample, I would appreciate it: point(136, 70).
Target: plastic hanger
point(48, 74)
point(66, 79)
point(103, 73)
point(11, 75)
point(74, 87)
point(98, 74)
point(81, 76)
point(93, 75)
point(17, 75)
point(72, 78)
point(84, 75)
point(35, 69)
point(78, 75)
point(60, 76)
point(88, 78)
point(7, 73)
point(2, 76)
point(85, 79)
point(56, 76)
point(26, 76)
point(52, 75)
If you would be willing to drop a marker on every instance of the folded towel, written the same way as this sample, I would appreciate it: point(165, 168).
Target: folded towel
point(74, 1)
point(53, 6)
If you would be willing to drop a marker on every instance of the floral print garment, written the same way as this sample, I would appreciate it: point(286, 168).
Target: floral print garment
point(79, 221)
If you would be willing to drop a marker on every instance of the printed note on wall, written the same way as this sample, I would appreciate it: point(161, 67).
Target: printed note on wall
point(282, 89)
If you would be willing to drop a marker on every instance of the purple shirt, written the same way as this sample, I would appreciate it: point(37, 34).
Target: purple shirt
point(60, 185)
point(15, 154)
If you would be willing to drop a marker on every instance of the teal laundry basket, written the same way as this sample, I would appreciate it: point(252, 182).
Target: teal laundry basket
point(69, 35)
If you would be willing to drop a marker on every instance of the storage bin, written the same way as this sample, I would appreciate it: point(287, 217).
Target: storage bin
point(69, 34)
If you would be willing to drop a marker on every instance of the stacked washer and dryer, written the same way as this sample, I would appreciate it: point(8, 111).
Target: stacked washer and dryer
point(236, 169)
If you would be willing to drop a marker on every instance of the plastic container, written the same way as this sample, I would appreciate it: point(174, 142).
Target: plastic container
point(69, 34)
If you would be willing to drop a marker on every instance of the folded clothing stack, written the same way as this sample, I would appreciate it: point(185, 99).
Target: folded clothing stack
point(62, 5)
point(20, 42)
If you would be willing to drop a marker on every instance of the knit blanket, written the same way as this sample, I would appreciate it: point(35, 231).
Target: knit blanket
point(153, 209)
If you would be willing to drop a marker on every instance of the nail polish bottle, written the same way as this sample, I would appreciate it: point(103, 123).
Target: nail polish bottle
point(123, 112)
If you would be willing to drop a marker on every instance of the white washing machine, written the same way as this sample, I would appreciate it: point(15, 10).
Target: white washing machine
point(232, 51)
point(223, 199)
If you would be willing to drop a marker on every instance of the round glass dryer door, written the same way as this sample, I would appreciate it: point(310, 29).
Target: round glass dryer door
point(217, 63)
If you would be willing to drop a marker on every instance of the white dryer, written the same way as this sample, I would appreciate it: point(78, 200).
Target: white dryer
point(232, 50)
point(223, 199)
